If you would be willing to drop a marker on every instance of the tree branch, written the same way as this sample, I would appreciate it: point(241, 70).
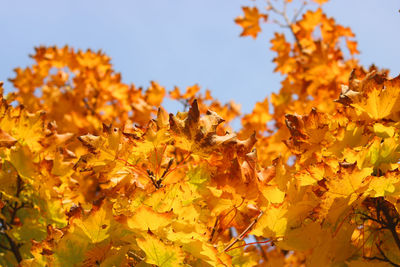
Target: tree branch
point(244, 233)
point(285, 17)
point(14, 247)
point(390, 222)
point(4, 247)
point(384, 257)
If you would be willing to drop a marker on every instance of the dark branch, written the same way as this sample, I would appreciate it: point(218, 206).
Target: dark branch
point(14, 248)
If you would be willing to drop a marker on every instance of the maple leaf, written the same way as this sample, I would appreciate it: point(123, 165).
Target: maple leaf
point(257, 120)
point(159, 253)
point(6, 140)
point(320, 1)
point(284, 62)
point(384, 186)
point(272, 224)
point(311, 175)
point(352, 46)
point(155, 94)
point(374, 95)
point(250, 21)
point(307, 131)
point(191, 91)
point(96, 255)
point(196, 134)
point(145, 218)
point(96, 225)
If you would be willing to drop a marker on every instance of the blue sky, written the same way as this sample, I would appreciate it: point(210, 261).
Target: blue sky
point(182, 42)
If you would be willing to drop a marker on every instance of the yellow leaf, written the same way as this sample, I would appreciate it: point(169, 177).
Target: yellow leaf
point(374, 95)
point(160, 254)
point(272, 223)
point(303, 238)
point(6, 140)
point(145, 218)
point(383, 131)
point(311, 175)
point(273, 194)
point(350, 182)
point(8, 180)
point(383, 186)
point(97, 224)
point(22, 159)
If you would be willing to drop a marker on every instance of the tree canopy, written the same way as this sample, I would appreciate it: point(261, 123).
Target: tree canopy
point(95, 172)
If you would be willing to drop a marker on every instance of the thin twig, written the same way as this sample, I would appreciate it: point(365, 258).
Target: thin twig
point(367, 217)
point(280, 24)
point(285, 17)
point(244, 233)
point(298, 12)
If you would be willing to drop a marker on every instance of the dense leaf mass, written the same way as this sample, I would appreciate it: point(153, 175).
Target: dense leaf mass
point(94, 172)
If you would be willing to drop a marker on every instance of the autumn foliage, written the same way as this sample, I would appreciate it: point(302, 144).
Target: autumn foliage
point(94, 172)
